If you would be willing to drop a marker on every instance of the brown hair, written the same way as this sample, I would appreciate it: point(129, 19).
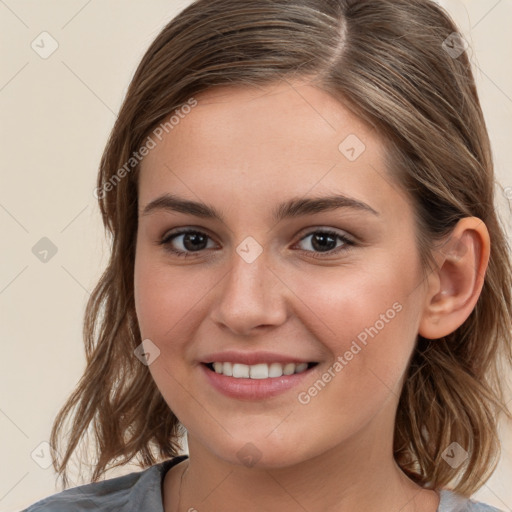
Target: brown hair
point(385, 59)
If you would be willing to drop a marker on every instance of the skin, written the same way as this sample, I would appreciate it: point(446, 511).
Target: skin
point(243, 151)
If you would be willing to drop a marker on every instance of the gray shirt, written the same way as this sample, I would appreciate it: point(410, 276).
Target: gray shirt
point(142, 492)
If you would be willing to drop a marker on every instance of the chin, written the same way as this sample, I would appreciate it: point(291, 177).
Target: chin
point(263, 451)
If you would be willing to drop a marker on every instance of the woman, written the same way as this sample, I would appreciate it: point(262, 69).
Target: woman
point(307, 269)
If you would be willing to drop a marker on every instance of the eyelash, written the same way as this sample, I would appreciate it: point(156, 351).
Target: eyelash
point(347, 243)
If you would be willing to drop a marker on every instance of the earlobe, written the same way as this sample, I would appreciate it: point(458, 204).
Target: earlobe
point(457, 280)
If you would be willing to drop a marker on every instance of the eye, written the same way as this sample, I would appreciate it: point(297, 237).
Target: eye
point(319, 242)
point(183, 243)
point(325, 241)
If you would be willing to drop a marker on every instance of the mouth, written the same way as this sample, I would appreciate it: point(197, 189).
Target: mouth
point(258, 371)
point(258, 381)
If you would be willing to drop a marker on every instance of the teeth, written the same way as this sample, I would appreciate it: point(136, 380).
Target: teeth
point(289, 369)
point(240, 371)
point(275, 370)
point(258, 371)
point(227, 369)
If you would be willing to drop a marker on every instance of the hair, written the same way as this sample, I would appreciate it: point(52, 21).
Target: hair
point(385, 60)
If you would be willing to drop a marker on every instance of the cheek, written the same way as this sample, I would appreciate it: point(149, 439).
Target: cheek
point(370, 332)
point(349, 300)
point(165, 297)
point(369, 319)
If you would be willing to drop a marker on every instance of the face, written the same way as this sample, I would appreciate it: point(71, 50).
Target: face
point(297, 276)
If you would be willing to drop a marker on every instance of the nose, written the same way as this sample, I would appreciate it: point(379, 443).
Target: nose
point(250, 297)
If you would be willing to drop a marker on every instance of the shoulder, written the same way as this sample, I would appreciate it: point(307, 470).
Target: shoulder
point(136, 491)
point(453, 502)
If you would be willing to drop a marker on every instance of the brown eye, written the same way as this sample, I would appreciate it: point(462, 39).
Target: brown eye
point(184, 242)
point(329, 242)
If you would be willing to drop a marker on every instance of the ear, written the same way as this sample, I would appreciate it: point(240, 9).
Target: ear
point(455, 284)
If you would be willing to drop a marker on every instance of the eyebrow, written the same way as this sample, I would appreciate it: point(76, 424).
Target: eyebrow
point(295, 207)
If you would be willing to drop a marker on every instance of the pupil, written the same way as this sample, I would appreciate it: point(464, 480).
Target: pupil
point(320, 241)
point(196, 241)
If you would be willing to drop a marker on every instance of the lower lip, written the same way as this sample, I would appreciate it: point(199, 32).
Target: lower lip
point(253, 389)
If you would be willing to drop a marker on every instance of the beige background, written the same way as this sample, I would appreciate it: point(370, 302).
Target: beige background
point(56, 115)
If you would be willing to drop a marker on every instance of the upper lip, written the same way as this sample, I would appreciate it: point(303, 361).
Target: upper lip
point(251, 358)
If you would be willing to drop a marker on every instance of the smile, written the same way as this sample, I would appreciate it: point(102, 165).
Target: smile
point(258, 371)
point(259, 381)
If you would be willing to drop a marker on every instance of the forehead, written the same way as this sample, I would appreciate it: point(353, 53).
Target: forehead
point(256, 144)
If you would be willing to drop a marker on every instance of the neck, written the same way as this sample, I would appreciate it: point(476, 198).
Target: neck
point(342, 480)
